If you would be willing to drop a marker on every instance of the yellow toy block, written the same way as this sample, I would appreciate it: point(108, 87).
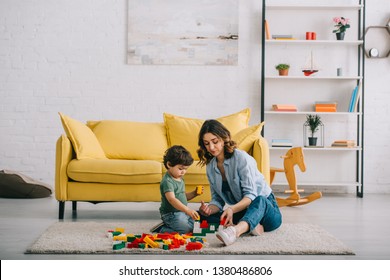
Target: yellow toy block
point(199, 190)
point(120, 238)
point(150, 242)
point(122, 230)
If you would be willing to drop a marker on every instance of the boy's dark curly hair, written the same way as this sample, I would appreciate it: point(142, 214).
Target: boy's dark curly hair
point(177, 155)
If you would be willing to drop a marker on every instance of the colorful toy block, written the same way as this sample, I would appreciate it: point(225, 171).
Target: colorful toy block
point(150, 242)
point(163, 241)
point(199, 190)
point(122, 230)
point(119, 245)
point(194, 246)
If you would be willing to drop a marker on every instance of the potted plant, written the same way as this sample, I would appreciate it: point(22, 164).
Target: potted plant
point(313, 122)
point(283, 69)
point(341, 25)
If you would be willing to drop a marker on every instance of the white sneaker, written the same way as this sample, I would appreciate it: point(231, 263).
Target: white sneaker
point(227, 235)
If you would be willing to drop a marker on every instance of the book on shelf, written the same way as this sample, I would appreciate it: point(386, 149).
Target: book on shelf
point(326, 103)
point(267, 33)
point(325, 109)
point(352, 100)
point(325, 106)
point(284, 107)
point(344, 143)
point(282, 37)
point(357, 97)
point(281, 143)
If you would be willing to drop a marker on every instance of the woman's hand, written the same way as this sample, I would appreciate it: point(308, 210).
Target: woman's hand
point(204, 209)
point(227, 215)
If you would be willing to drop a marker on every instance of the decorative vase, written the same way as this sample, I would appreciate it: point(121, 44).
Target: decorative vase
point(340, 36)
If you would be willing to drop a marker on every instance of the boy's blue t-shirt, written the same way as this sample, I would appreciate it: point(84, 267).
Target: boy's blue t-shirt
point(168, 184)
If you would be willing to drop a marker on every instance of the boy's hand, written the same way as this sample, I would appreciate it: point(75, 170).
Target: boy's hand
point(199, 190)
point(193, 214)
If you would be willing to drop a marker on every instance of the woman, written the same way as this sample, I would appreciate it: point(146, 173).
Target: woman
point(234, 180)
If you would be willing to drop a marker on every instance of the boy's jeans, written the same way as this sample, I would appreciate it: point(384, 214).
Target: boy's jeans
point(177, 222)
point(262, 210)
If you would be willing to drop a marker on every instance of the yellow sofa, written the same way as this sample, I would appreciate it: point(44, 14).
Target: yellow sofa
point(112, 161)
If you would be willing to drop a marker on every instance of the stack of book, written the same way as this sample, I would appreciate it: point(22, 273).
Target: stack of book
point(284, 107)
point(344, 143)
point(283, 37)
point(325, 106)
point(281, 143)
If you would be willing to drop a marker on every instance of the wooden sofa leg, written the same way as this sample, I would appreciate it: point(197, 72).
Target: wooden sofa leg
point(61, 209)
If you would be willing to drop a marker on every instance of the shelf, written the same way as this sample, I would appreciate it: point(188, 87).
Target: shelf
point(313, 42)
point(344, 54)
point(314, 7)
point(318, 149)
point(330, 184)
point(313, 77)
point(311, 112)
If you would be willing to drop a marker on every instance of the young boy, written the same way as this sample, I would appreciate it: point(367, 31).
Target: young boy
point(176, 215)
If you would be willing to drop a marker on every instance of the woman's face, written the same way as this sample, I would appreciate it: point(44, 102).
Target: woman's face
point(213, 144)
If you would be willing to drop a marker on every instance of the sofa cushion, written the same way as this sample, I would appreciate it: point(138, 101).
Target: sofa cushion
point(185, 131)
point(237, 121)
point(83, 140)
point(115, 171)
point(196, 175)
point(246, 137)
point(131, 140)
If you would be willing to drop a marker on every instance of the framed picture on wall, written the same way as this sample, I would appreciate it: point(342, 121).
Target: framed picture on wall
point(182, 32)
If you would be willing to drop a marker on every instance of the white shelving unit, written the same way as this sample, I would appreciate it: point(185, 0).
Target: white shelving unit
point(326, 166)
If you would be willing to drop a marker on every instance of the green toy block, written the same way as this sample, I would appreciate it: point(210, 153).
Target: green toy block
point(118, 246)
point(131, 238)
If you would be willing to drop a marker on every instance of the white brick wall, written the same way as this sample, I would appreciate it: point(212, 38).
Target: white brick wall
point(69, 56)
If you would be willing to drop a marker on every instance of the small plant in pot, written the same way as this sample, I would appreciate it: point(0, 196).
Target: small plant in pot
point(283, 69)
point(313, 122)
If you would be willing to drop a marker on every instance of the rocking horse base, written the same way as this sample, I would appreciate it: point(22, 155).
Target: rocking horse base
point(296, 201)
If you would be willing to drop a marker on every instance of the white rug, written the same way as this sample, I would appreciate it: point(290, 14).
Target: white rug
point(90, 238)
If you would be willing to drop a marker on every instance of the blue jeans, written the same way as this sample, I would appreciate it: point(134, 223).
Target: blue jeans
point(177, 222)
point(262, 210)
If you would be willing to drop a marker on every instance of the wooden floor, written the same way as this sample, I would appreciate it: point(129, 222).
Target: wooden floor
point(363, 224)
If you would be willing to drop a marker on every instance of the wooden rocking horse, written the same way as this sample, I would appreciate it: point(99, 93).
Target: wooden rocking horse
point(293, 157)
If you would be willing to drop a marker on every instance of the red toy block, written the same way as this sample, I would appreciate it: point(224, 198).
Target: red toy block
point(194, 246)
point(204, 224)
point(165, 236)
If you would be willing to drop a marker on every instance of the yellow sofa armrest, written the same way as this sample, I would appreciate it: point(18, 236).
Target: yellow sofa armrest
point(64, 154)
point(260, 152)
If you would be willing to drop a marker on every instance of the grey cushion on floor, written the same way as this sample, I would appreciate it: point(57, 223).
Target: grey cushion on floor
point(17, 185)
